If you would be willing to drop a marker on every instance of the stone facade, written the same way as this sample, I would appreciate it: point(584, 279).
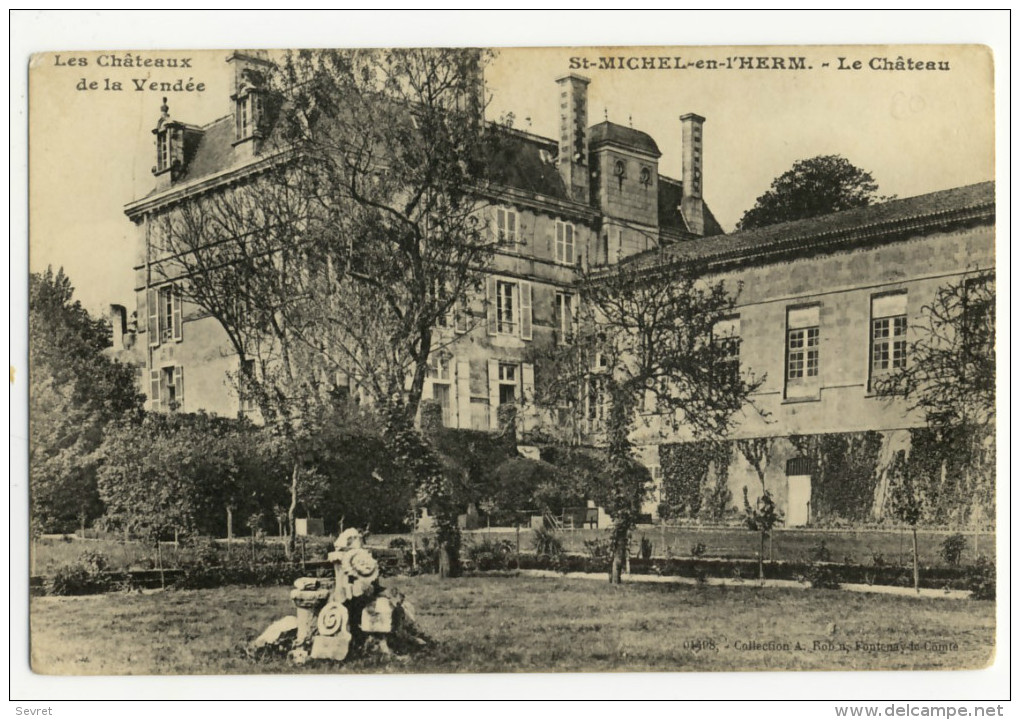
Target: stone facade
point(594, 196)
point(869, 263)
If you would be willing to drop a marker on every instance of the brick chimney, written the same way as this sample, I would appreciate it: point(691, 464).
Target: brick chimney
point(692, 204)
point(573, 153)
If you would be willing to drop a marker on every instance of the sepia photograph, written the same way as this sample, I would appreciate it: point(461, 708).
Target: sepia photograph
point(431, 360)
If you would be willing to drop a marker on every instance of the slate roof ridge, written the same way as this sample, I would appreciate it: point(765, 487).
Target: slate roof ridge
point(846, 223)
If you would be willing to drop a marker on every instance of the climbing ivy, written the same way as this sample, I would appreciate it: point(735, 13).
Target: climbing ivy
point(695, 478)
point(846, 473)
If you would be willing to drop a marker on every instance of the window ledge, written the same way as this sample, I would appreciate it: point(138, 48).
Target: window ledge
point(794, 400)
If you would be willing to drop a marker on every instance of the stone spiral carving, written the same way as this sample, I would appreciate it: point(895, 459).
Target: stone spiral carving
point(333, 618)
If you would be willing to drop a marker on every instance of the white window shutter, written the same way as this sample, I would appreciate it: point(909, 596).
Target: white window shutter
point(528, 383)
point(178, 316)
point(464, 393)
point(152, 300)
point(179, 386)
point(525, 310)
point(490, 304)
point(154, 383)
point(494, 394)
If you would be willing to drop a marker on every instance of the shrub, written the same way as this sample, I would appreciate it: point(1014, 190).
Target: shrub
point(698, 549)
point(84, 576)
point(820, 553)
point(547, 542)
point(492, 554)
point(981, 580)
point(598, 548)
point(878, 560)
point(645, 548)
point(952, 548)
point(822, 577)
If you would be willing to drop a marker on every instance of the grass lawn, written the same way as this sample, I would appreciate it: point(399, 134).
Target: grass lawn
point(512, 624)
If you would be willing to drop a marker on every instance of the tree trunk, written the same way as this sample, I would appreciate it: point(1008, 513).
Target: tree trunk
point(761, 558)
point(917, 572)
point(230, 529)
point(291, 511)
point(619, 559)
point(444, 560)
point(159, 564)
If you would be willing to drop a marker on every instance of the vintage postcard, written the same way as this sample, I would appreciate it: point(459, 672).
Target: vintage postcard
point(512, 360)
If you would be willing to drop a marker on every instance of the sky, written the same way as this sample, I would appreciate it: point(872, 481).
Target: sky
point(91, 150)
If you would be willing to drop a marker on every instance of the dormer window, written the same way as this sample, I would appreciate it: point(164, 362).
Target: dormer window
point(163, 150)
point(246, 115)
point(247, 110)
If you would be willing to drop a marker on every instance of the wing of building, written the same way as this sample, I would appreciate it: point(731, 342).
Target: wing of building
point(815, 293)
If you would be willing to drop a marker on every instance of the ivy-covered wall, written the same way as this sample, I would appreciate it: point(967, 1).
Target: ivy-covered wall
point(849, 478)
point(846, 473)
point(695, 479)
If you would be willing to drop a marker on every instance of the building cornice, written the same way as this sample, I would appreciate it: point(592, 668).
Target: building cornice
point(796, 246)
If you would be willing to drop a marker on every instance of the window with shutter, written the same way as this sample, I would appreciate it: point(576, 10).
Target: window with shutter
point(177, 315)
point(564, 243)
point(154, 388)
point(178, 388)
point(525, 296)
point(152, 305)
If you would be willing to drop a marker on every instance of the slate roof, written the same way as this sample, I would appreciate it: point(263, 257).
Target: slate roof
point(873, 223)
point(670, 217)
point(215, 150)
point(607, 133)
point(525, 162)
point(521, 160)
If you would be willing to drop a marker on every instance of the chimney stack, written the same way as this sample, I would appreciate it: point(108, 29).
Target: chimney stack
point(573, 152)
point(118, 323)
point(692, 204)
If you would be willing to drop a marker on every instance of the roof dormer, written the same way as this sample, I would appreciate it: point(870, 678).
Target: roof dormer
point(175, 146)
point(248, 98)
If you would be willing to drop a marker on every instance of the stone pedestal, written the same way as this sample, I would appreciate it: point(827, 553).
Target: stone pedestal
point(308, 603)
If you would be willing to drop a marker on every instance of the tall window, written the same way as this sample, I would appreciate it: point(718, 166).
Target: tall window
point(888, 335)
point(564, 318)
point(246, 115)
point(163, 150)
point(167, 313)
point(508, 378)
point(726, 340)
point(508, 307)
point(168, 388)
point(244, 390)
point(564, 243)
point(439, 373)
point(505, 316)
point(596, 403)
point(506, 226)
point(802, 357)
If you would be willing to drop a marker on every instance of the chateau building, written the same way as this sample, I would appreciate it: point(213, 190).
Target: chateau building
point(825, 308)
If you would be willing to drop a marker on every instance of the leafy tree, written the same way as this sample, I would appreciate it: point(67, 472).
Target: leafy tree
point(644, 340)
point(75, 392)
point(908, 501)
point(763, 515)
point(332, 269)
point(949, 378)
point(176, 473)
point(817, 186)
